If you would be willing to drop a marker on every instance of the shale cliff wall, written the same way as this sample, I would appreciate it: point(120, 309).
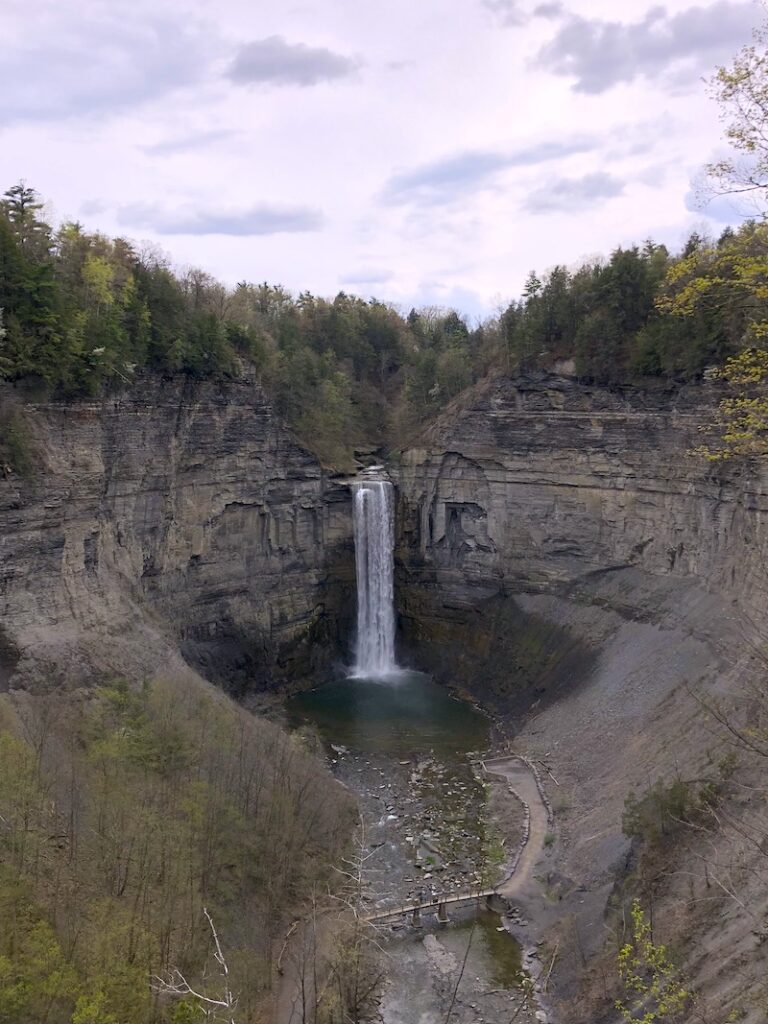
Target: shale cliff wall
point(175, 516)
point(563, 557)
point(542, 486)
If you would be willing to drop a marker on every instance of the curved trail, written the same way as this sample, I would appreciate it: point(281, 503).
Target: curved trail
point(522, 782)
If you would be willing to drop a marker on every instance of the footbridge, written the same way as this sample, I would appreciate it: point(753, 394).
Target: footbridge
point(439, 902)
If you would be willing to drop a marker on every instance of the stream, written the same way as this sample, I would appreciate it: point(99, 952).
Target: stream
point(432, 823)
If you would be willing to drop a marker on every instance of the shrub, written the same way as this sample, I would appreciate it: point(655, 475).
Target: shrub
point(16, 452)
point(666, 807)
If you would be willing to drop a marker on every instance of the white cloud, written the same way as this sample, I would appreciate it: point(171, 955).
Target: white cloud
point(242, 222)
point(421, 177)
point(600, 53)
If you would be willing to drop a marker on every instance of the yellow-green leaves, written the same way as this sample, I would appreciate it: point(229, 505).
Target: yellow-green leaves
point(98, 275)
point(653, 987)
point(742, 92)
point(732, 275)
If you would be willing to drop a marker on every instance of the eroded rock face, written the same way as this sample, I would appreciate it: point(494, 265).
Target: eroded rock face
point(546, 486)
point(561, 555)
point(543, 481)
point(175, 516)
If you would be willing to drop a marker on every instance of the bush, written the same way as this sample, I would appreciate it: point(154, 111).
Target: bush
point(667, 807)
point(16, 449)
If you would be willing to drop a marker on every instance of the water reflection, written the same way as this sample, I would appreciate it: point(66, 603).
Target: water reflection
point(407, 714)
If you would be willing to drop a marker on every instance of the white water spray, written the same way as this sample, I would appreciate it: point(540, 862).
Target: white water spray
point(374, 527)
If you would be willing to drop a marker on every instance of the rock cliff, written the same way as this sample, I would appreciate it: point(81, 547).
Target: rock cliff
point(561, 556)
point(175, 516)
point(543, 486)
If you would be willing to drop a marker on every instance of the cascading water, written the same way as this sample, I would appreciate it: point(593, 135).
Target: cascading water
point(374, 529)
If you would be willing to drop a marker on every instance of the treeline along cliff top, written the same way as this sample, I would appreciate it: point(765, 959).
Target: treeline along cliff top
point(80, 311)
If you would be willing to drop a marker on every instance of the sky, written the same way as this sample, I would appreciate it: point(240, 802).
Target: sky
point(426, 152)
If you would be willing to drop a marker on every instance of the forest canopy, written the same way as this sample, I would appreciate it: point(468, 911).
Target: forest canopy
point(80, 311)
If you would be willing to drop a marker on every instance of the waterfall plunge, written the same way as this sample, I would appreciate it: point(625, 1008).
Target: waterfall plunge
point(374, 527)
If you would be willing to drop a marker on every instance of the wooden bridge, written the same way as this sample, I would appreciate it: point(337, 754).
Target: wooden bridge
point(440, 902)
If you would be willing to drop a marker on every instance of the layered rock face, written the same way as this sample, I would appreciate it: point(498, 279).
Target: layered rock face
point(174, 516)
point(561, 555)
point(543, 486)
point(540, 481)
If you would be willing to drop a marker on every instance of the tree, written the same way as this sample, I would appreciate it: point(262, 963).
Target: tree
point(733, 274)
point(36, 980)
point(653, 986)
point(724, 288)
point(742, 92)
point(21, 206)
point(219, 1007)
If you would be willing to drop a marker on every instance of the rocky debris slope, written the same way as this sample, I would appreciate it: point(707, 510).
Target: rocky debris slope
point(175, 516)
point(561, 555)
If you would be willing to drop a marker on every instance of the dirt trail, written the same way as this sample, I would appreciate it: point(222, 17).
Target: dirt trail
point(521, 780)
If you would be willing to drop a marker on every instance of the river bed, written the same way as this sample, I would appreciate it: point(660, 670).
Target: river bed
point(410, 750)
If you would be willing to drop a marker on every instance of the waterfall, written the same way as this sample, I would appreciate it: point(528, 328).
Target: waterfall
point(374, 528)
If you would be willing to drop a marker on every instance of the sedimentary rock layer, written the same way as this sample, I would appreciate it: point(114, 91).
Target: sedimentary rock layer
point(173, 516)
point(563, 556)
point(542, 485)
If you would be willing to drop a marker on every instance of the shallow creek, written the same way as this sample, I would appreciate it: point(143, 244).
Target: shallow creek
point(406, 747)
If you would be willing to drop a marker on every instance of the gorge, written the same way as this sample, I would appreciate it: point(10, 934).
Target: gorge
point(559, 557)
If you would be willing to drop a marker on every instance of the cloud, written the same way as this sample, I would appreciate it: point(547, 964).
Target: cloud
point(446, 295)
point(274, 61)
point(722, 209)
point(507, 11)
point(254, 220)
point(97, 64)
point(452, 177)
point(572, 195)
point(600, 54)
point(550, 11)
point(188, 143)
point(367, 276)
point(92, 207)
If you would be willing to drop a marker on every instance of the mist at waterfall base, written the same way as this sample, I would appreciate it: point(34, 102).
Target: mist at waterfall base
point(374, 533)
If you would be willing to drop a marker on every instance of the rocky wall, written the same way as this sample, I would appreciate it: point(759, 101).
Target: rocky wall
point(174, 516)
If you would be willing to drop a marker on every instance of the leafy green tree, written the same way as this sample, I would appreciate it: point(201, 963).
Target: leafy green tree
point(21, 205)
point(28, 296)
point(653, 986)
point(727, 285)
point(36, 981)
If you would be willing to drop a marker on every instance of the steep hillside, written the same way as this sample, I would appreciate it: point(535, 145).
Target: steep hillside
point(560, 555)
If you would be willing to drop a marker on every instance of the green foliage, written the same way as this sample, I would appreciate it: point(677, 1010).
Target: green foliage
point(742, 92)
point(184, 1012)
point(92, 1009)
point(665, 808)
point(16, 448)
point(605, 317)
point(81, 312)
point(729, 283)
point(654, 989)
point(122, 814)
point(36, 981)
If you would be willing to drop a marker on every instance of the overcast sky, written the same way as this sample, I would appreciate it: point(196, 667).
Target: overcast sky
point(422, 151)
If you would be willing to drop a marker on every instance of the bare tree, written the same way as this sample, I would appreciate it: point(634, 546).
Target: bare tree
point(215, 1009)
